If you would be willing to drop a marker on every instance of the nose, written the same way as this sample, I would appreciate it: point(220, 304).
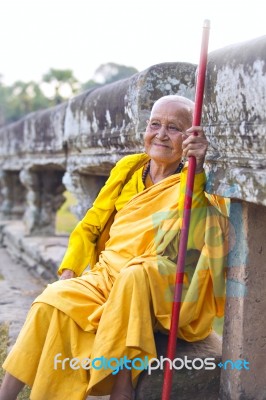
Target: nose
point(162, 132)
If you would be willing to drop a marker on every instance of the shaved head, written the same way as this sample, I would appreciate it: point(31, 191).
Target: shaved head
point(170, 117)
point(186, 104)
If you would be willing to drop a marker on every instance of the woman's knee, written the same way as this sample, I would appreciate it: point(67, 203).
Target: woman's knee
point(133, 274)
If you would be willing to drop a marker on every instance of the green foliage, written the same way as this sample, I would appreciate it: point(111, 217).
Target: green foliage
point(3, 347)
point(61, 78)
point(25, 97)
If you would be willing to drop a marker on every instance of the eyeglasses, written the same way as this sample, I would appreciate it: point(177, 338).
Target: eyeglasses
point(156, 126)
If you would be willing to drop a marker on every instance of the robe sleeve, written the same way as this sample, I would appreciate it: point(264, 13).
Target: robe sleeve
point(81, 251)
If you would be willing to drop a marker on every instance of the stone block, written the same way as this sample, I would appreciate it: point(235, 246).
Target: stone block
point(245, 325)
point(235, 121)
point(187, 384)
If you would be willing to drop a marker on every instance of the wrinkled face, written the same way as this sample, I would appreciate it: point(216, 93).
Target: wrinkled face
point(163, 136)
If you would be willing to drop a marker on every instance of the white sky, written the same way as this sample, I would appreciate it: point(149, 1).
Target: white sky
point(82, 34)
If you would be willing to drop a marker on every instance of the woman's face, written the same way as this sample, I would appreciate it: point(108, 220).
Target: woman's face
point(163, 137)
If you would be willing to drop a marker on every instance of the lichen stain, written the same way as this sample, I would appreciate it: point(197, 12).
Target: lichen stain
point(71, 123)
point(239, 94)
point(108, 118)
point(94, 124)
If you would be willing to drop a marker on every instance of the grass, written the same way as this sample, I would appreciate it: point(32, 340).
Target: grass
point(25, 394)
point(3, 346)
point(65, 220)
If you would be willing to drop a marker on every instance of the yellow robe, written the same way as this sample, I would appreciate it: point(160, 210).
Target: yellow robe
point(113, 309)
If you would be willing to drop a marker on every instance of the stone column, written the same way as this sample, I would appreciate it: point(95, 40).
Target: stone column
point(245, 322)
point(85, 188)
point(44, 198)
point(12, 195)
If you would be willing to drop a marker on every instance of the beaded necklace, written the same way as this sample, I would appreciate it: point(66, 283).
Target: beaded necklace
point(146, 170)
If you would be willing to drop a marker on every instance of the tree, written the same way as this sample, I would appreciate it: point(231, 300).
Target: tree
point(108, 73)
point(91, 84)
point(20, 99)
point(64, 83)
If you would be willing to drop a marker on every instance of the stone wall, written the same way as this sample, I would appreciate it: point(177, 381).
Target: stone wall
point(235, 115)
point(75, 145)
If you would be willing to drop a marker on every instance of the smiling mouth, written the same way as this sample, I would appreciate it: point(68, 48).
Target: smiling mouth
point(161, 145)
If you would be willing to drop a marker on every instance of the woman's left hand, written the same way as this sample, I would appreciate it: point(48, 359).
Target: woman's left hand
point(67, 274)
point(195, 146)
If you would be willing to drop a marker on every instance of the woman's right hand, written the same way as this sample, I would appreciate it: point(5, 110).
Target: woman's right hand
point(67, 274)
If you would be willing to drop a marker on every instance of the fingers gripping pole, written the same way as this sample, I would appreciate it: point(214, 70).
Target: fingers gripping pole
point(168, 372)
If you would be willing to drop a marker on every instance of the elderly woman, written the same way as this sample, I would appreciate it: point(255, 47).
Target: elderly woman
point(130, 239)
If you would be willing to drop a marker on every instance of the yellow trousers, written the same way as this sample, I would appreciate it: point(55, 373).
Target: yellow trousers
point(48, 332)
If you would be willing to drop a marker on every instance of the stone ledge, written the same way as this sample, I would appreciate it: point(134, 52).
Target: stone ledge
point(40, 255)
point(187, 384)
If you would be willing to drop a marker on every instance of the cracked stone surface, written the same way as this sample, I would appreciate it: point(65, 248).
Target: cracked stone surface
point(18, 289)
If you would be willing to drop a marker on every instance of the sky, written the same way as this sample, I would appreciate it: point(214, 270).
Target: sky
point(36, 35)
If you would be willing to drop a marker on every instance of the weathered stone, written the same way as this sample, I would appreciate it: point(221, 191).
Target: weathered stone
point(198, 384)
point(85, 188)
point(13, 195)
point(235, 118)
point(40, 255)
point(37, 137)
point(44, 198)
point(18, 289)
point(245, 325)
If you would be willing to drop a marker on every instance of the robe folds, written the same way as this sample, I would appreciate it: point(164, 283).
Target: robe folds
point(113, 309)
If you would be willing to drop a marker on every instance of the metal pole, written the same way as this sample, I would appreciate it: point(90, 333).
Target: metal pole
point(171, 350)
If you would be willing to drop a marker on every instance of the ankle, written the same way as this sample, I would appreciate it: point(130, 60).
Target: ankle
point(123, 388)
point(10, 387)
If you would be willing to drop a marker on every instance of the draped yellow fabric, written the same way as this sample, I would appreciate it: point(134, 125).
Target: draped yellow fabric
point(123, 183)
point(127, 294)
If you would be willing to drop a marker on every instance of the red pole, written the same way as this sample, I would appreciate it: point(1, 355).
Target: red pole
point(168, 373)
